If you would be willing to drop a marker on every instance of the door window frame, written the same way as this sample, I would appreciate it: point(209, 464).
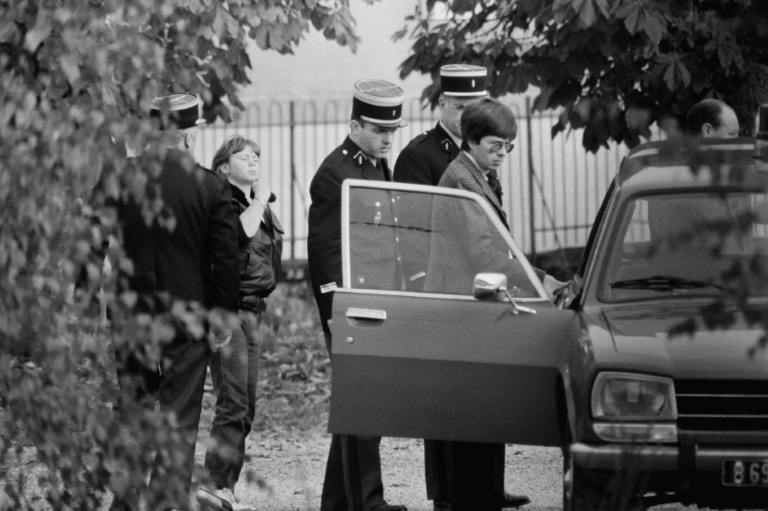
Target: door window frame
point(434, 190)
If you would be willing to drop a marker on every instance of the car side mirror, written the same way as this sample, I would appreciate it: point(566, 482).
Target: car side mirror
point(493, 286)
point(487, 286)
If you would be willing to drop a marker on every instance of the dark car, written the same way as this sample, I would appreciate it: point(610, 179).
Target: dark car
point(650, 375)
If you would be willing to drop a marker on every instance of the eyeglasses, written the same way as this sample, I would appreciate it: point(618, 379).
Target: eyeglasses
point(507, 145)
point(459, 107)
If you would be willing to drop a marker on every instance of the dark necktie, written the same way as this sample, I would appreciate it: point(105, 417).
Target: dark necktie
point(493, 182)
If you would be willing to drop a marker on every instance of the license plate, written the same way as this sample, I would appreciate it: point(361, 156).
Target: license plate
point(745, 473)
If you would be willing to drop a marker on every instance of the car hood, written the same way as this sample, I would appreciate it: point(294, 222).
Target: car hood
point(643, 336)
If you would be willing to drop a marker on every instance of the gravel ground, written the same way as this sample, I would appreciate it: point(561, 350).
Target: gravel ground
point(292, 471)
point(284, 472)
point(287, 473)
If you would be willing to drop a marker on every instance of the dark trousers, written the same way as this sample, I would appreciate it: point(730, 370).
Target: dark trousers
point(234, 370)
point(353, 475)
point(438, 470)
point(179, 389)
point(466, 475)
point(353, 472)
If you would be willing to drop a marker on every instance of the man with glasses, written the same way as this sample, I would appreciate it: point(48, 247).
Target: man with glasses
point(476, 470)
point(423, 162)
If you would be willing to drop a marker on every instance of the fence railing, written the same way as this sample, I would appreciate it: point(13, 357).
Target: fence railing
point(552, 187)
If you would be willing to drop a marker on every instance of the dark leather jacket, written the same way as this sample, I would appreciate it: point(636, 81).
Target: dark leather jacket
point(260, 256)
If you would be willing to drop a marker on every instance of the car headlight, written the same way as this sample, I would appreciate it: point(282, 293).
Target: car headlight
point(633, 397)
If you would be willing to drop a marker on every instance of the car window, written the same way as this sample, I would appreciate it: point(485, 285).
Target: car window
point(416, 241)
point(675, 244)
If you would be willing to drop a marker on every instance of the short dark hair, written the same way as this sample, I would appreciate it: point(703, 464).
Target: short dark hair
point(230, 146)
point(487, 117)
point(706, 111)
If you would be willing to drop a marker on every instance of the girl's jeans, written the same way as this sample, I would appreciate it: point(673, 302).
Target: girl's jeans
point(234, 372)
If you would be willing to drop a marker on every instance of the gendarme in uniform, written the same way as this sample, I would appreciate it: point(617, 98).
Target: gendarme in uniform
point(353, 472)
point(426, 157)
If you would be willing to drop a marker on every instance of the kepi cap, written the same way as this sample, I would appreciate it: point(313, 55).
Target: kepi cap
point(378, 102)
point(463, 80)
point(176, 111)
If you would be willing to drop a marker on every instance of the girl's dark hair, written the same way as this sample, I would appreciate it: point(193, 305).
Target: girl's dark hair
point(487, 117)
point(706, 111)
point(232, 145)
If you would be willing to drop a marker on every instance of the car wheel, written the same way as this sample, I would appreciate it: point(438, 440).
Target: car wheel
point(581, 494)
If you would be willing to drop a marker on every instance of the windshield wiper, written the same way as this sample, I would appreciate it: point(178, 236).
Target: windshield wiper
point(662, 283)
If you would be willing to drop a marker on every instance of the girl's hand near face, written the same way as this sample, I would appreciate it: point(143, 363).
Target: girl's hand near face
point(262, 187)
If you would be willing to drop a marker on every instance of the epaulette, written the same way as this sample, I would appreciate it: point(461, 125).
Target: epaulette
point(418, 139)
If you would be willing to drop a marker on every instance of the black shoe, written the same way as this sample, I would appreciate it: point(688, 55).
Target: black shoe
point(389, 507)
point(441, 506)
point(514, 501)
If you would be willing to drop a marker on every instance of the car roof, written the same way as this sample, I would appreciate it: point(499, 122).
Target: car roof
point(692, 163)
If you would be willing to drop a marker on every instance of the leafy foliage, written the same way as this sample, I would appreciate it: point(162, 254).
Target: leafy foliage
point(613, 66)
point(75, 77)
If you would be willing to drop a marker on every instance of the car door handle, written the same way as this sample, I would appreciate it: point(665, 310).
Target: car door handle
point(369, 314)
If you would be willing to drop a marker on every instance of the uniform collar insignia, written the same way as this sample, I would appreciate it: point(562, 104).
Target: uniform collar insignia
point(359, 158)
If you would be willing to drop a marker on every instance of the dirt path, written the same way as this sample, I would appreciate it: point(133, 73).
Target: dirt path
point(287, 472)
point(293, 471)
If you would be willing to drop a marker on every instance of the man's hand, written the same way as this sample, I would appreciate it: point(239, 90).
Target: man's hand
point(554, 287)
point(218, 340)
point(220, 327)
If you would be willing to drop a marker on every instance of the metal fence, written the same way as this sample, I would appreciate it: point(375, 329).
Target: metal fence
point(552, 187)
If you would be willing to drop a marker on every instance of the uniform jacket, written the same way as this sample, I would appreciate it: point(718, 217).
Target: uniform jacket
point(372, 243)
point(260, 255)
point(190, 251)
point(426, 157)
point(422, 161)
point(464, 241)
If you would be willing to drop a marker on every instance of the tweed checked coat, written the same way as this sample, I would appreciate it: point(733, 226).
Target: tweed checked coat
point(465, 241)
point(422, 162)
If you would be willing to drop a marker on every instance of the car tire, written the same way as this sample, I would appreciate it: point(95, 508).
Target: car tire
point(581, 494)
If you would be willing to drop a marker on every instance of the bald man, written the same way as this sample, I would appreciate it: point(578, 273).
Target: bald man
point(712, 118)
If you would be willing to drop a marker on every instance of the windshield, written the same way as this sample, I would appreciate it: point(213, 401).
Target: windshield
point(687, 244)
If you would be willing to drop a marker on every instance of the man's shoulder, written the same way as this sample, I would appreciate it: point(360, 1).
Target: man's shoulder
point(345, 158)
point(420, 139)
point(457, 170)
point(338, 157)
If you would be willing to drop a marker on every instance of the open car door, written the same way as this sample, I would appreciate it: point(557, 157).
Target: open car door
point(415, 354)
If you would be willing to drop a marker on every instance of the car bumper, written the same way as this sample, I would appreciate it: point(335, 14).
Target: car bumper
point(661, 458)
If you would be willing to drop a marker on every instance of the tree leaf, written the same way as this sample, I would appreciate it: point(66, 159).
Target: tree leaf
point(653, 26)
point(587, 14)
point(685, 75)
point(671, 77)
point(39, 33)
point(630, 12)
point(70, 65)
